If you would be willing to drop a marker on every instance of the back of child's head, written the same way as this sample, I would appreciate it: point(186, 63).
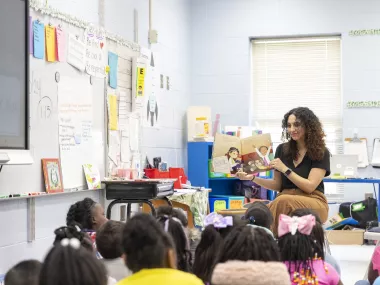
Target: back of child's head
point(209, 248)
point(24, 273)
point(80, 214)
point(249, 243)
point(318, 233)
point(68, 232)
point(70, 263)
point(174, 227)
point(172, 212)
point(259, 214)
point(296, 243)
point(108, 240)
point(145, 244)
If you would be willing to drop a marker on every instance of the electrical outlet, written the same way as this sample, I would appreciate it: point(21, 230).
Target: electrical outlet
point(153, 37)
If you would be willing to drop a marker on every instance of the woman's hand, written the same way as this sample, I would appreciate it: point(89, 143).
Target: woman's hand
point(244, 176)
point(278, 165)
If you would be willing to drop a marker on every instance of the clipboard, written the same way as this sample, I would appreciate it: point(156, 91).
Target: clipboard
point(357, 146)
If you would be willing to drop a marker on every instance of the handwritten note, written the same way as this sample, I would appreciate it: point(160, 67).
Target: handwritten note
point(96, 56)
point(236, 204)
point(61, 44)
point(221, 164)
point(220, 205)
point(50, 43)
point(38, 39)
point(30, 27)
point(112, 62)
point(112, 111)
point(76, 52)
point(114, 146)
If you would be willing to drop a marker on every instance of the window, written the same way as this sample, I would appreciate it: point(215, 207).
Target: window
point(13, 74)
point(293, 72)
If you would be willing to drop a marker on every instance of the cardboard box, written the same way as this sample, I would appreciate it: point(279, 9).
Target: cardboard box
point(345, 237)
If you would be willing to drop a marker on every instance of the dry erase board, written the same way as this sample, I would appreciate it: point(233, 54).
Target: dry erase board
point(44, 82)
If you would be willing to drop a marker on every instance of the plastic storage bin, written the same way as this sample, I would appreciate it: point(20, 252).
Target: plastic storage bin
point(218, 203)
point(233, 202)
point(156, 174)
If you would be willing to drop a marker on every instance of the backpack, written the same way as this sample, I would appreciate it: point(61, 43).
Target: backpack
point(363, 211)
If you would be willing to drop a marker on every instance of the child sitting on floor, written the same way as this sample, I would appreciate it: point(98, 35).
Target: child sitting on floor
point(301, 254)
point(209, 248)
point(175, 228)
point(24, 273)
point(108, 242)
point(70, 263)
point(250, 254)
point(259, 215)
point(319, 235)
point(150, 255)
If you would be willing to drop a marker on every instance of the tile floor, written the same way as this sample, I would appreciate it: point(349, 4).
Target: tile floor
point(353, 260)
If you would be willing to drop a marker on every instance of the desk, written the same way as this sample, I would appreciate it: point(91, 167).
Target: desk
point(359, 181)
point(131, 192)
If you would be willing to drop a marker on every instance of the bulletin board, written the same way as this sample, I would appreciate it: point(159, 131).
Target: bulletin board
point(68, 100)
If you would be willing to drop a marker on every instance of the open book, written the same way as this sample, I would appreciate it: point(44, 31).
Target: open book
point(250, 155)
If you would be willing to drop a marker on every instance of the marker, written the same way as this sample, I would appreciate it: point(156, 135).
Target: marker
point(14, 195)
point(4, 196)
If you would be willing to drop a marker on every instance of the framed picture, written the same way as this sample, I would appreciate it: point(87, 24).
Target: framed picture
point(52, 175)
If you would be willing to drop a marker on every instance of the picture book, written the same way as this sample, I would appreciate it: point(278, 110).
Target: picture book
point(52, 175)
point(250, 155)
point(92, 176)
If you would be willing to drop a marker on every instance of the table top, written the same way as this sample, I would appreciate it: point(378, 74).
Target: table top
point(355, 180)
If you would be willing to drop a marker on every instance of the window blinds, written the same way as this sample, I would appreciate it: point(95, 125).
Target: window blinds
point(294, 72)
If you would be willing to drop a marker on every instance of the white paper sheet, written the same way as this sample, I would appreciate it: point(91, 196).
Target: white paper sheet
point(114, 146)
point(134, 133)
point(125, 150)
point(75, 129)
point(76, 50)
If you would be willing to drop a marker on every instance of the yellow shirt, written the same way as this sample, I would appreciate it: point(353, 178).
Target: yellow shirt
point(162, 276)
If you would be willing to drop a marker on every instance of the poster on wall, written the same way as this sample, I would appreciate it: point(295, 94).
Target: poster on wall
point(96, 55)
point(74, 128)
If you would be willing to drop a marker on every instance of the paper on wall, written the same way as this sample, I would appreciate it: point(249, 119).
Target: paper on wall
point(134, 133)
point(50, 43)
point(112, 112)
point(38, 39)
point(114, 146)
point(76, 52)
point(96, 56)
point(112, 62)
point(125, 150)
point(61, 44)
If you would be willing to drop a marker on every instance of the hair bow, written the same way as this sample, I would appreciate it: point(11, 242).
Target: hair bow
point(218, 221)
point(291, 225)
point(73, 242)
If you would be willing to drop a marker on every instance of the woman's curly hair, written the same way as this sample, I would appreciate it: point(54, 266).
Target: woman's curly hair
point(314, 134)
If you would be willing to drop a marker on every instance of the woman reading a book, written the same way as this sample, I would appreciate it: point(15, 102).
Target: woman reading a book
point(300, 165)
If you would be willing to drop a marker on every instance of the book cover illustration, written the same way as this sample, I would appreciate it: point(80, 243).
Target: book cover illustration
point(92, 176)
point(250, 155)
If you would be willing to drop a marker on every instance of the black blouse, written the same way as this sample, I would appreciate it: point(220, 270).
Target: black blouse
point(303, 169)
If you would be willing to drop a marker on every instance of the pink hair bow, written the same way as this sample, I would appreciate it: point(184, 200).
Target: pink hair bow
point(291, 225)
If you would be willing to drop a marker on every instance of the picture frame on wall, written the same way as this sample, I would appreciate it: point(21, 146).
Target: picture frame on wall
point(51, 168)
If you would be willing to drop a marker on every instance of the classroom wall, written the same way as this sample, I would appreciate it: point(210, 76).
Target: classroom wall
point(172, 20)
point(221, 55)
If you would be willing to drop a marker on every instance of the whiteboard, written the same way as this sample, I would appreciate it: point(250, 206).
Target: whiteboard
point(45, 79)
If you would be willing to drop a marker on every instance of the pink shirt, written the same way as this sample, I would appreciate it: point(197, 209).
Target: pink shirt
point(376, 259)
point(330, 278)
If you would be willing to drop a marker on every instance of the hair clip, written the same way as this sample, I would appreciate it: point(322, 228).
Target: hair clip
point(218, 221)
point(73, 242)
point(252, 220)
point(78, 228)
